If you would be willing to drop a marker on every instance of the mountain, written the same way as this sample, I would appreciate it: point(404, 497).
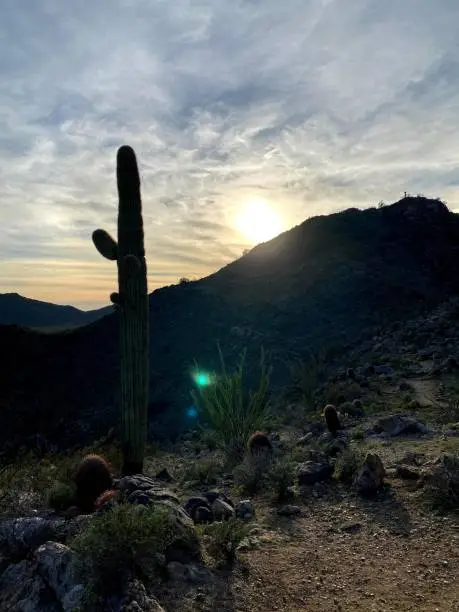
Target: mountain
point(18, 310)
point(327, 283)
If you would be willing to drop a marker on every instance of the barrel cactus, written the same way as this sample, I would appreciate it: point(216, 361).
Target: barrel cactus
point(131, 302)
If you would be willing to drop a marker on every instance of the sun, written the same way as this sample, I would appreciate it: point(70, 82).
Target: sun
point(259, 222)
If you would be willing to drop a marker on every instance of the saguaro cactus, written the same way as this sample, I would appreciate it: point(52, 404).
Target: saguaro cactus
point(131, 302)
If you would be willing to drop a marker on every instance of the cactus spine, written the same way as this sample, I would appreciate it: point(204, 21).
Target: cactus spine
point(131, 302)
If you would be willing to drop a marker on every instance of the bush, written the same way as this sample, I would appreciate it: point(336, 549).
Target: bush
point(305, 378)
point(280, 477)
point(442, 485)
point(233, 414)
point(348, 463)
point(121, 543)
point(60, 496)
point(203, 471)
point(252, 473)
point(225, 537)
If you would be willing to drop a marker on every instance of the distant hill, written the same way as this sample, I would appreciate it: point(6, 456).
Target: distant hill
point(329, 282)
point(18, 310)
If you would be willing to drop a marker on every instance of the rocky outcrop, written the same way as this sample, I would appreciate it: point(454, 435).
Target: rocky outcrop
point(370, 477)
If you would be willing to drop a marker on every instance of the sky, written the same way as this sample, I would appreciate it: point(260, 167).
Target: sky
point(247, 117)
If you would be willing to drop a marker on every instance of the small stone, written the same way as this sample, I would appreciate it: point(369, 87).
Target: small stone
point(222, 510)
point(305, 439)
point(289, 510)
point(245, 510)
point(164, 475)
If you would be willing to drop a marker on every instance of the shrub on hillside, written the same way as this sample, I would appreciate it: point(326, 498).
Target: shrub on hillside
point(232, 413)
point(252, 473)
point(280, 477)
point(121, 543)
point(348, 463)
point(204, 471)
point(225, 537)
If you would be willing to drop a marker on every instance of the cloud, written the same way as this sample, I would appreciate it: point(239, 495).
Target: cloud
point(313, 105)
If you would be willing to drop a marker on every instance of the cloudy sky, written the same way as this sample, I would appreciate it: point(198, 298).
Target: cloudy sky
point(301, 106)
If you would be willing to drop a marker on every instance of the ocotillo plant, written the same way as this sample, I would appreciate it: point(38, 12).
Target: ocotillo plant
point(131, 302)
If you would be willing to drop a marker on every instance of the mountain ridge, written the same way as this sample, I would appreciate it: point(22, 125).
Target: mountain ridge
point(327, 283)
point(16, 309)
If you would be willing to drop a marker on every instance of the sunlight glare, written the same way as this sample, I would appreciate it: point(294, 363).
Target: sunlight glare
point(259, 222)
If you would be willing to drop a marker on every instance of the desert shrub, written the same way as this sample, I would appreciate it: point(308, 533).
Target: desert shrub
point(252, 473)
point(441, 488)
point(232, 413)
point(23, 485)
point(305, 378)
point(342, 391)
point(60, 496)
point(209, 439)
point(280, 477)
point(225, 537)
point(348, 463)
point(121, 543)
point(358, 434)
point(204, 471)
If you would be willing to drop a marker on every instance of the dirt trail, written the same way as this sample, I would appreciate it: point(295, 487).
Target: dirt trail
point(426, 392)
point(344, 555)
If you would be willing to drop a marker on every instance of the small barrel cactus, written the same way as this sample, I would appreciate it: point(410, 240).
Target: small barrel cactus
point(259, 443)
point(332, 419)
point(131, 301)
point(93, 477)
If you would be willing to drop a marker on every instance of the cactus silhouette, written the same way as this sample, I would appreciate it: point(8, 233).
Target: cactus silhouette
point(131, 302)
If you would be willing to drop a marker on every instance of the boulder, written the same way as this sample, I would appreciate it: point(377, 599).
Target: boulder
point(22, 589)
point(398, 424)
point(310, 472)
point(370, 477)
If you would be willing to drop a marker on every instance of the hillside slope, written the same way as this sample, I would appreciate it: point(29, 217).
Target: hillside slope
point(328, 281)
point(16, 309)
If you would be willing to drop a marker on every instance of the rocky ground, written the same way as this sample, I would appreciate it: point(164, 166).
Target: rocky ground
point(326, 546)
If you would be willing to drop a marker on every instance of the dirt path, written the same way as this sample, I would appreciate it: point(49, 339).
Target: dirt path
point(357, 557)
point(343, 554)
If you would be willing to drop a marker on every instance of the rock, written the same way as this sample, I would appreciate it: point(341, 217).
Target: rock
point(351, 527)
point(289, 510)
point(193, 573)
point(138, 482)
point(413, 458)
point(136, 599)
point(397, 424)
point(164, 475)
point(222, 510)
point(370, 477)
point(211, 496)
point(55, 566)
point(22, 589)
point(405, 386)
point(337, 446)
point(385, 369)
point(22, 535)
point(310, 472)
point(245, 510)
point(74, 598)
point(191, 506)
point(352, 409)
point(202, 514)
point(305, 439)
point(408, 472)
point(151, 496)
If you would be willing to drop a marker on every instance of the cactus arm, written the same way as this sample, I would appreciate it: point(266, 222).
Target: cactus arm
point(105, 244)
